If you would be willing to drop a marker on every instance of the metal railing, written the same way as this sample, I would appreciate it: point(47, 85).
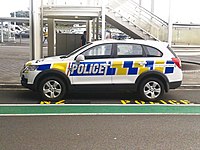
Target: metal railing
point(183, 34)
point(186, 34)
point(73, 2)
point(141, 17)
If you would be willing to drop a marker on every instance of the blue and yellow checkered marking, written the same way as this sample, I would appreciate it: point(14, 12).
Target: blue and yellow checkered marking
point(112, 68)
point(131, 70)
point(169, 69)
point(44, 67)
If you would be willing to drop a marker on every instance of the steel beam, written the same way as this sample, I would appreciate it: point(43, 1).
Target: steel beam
point(35, 30)
point(103, 19)
point(1, 31)
point(51, 27)
point(170, 26)
point(14, 19)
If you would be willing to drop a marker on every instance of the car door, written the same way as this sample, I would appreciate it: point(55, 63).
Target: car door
point(128, 63)
point(93, 70)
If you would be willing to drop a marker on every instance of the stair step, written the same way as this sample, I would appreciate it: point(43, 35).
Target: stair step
point(126, 22)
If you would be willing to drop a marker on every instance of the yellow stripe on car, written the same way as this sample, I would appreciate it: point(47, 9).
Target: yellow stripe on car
point(60, 66)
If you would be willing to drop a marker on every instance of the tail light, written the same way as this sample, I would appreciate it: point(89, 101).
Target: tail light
point(177, 61)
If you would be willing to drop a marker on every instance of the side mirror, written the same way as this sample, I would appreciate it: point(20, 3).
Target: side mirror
point(80, 58)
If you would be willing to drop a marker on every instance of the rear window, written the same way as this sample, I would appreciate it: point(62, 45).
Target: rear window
point(153, 52)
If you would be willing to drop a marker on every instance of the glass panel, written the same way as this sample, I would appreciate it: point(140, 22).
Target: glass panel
point(100, 50)
point(129, 50)
point(153, 52)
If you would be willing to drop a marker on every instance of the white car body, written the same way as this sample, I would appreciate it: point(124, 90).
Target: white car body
point(116, 68)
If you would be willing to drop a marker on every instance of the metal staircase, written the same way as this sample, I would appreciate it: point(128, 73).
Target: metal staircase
point(126, 15)
point(135, 21)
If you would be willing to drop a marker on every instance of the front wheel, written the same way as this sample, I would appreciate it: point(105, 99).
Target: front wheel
point(52, 88)
point(151, 89)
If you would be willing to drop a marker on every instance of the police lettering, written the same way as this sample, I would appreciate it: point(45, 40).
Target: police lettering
point(88, 69)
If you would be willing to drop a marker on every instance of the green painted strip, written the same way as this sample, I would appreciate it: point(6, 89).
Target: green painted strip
point(85, 109)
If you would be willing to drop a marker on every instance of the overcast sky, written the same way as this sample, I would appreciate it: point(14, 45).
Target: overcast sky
point(183, 11)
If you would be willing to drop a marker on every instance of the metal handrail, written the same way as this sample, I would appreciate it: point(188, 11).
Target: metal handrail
point(142, 18)
point(133, 23)
point(142, 12)
point(148, 12)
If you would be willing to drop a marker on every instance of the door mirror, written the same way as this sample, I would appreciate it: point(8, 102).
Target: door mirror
point(80, 58)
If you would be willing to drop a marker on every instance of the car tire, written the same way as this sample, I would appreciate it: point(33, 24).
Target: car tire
point(52, 88)
point(151, 89)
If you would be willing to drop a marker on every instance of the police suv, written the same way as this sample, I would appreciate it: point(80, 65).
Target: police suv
point(147, 67)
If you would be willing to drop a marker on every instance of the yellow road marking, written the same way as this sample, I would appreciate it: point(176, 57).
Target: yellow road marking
point(139, 102)
point(60, 102)
point(125, 101)
point(185, 101)
point(173, 102)
point(154, 103)
point(45, 102)
point(162, 101)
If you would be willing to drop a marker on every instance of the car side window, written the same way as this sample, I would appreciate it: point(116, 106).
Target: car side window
point(129, 50)
point(152, 52)
point(100, 51)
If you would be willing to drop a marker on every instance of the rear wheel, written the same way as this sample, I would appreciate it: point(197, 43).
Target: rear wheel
point(52, 88)
point(151, 89)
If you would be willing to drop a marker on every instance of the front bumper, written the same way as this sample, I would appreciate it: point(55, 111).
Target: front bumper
point(24, 82)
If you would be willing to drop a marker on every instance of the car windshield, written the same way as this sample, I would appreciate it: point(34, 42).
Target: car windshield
point(75, 51)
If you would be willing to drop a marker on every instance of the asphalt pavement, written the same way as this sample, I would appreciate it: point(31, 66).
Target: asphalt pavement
point(100, 132)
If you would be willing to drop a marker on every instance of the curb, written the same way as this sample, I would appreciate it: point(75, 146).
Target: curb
point(189, 86)
point(11, 85)
point(190, 62)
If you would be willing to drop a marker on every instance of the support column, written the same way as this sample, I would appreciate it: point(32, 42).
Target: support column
point(14, 26)
point(152, 6)
point(103, 20)
point(9, 32)
point(140, 2)
point(97, 28)
point(41, 28)
point(89, 29)
point(170, 25)
point(1, 31)
point(51, 26)
point(35, 30)
point(93, 29)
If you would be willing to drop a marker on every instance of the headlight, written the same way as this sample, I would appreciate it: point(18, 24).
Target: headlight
point(30, 68)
